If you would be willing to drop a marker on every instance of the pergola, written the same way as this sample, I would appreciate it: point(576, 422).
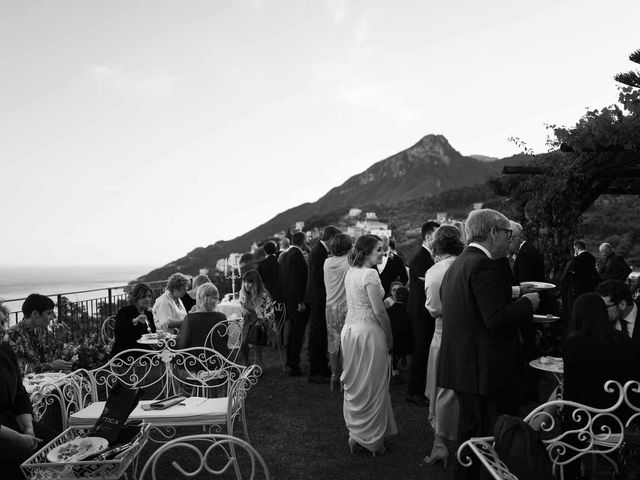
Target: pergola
point(607, 170)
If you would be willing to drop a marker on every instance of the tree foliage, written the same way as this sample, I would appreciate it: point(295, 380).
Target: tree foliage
point(550, 205)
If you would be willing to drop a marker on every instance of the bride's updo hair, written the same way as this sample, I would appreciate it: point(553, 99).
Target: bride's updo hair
point(365, 244)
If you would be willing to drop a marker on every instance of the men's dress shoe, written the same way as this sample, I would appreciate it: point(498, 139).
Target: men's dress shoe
point(417, 399)
point(295, 371)
point(318, 379)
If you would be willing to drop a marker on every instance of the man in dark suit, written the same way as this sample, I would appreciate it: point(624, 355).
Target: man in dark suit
point(391, 269)
point(316, 298)
point(611, 265)
point(293, 278)
point(422, 324)
point(622, 310)
point(269, 270)
point(579, 276)
point(477, 306)
point(528, 265)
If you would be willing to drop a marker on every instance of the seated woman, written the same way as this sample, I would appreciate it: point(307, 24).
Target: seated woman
point(257, 308)
point(189, 298)
point(198, 323)
point(168, 310)
point(595, 352)
point(20, 436)
point(134, 320)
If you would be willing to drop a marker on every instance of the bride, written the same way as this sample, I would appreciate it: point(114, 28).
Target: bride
point(366, 342)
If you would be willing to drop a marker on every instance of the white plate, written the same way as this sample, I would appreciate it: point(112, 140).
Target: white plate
point(545, 318)
point(538, 285)
point(77, 449)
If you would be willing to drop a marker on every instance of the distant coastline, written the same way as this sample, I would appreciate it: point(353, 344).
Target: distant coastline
point(19, 281)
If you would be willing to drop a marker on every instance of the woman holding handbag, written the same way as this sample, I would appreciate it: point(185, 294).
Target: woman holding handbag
point(258, 316)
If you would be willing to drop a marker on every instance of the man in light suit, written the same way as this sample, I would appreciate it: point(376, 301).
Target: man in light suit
point(477, 307)
point(422, 324)
point(316, 298)
point(293, 278)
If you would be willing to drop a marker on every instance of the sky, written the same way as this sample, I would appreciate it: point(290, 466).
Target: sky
point(134, 131)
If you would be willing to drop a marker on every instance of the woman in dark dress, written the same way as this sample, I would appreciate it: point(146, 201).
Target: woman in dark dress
point(197, 324)
point(20, 436)
point(595, 352)
point(134, 320)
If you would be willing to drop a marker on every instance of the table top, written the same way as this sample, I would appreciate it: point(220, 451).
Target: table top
point(155, 340)
point(545, 318)
point(548, 364)
point(192, 411)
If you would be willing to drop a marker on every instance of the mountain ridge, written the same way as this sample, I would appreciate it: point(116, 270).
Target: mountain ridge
point(429, 168)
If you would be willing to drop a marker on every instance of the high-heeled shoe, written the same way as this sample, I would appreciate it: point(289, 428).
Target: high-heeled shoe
point(352, 444)
point(380, 451)
point(438, 453)
point(335, 383)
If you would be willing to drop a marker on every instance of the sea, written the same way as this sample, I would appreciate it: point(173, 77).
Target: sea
point(18, 282)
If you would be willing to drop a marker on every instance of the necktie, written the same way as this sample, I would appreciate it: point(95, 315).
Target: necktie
point(623, 327)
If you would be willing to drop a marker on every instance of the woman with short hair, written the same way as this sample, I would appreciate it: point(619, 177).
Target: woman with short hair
point(335, 269)
point(444, 411)
point(202, 318)
point(366, 342)
point(168, 310)
point(134, 320)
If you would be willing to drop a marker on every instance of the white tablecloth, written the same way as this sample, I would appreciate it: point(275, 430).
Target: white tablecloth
point(32, 382)
point(233, 311)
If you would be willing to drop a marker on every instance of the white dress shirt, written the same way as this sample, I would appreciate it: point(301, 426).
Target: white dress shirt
point(630, 321)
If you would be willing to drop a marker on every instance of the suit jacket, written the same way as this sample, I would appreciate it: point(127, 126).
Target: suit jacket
point(582, 273)
point(393, 270)
point(614, 267)
point(529, 264)
point(293, 277)
point(316, 293)
point(418, 266)
point(478, 317)
point(269, 271)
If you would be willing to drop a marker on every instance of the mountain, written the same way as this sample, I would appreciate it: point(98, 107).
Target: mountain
point(409, 178)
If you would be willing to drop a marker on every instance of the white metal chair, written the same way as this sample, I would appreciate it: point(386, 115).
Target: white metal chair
point(592, 431)
point(227, 334)
point(218, 455)
point(108, 330)
point(164, 373)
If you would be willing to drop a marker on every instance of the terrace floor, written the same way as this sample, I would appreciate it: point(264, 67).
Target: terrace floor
point(299, 430)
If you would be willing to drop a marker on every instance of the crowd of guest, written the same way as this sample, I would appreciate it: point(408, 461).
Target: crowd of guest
point(457, 317)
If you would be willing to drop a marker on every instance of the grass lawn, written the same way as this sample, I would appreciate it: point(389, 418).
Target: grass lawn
point(299, 430)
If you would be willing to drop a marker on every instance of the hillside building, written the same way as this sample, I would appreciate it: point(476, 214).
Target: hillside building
point(371, 216)
point(355, 212)
point(299, 226)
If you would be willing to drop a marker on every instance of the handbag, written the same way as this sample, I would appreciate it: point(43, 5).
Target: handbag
point(257, 334)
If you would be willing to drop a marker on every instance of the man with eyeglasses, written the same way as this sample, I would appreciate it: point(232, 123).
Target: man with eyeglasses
point(622, 309)
point(479, 349)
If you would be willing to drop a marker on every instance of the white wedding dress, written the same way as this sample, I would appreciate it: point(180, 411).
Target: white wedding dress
point(366, 365)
